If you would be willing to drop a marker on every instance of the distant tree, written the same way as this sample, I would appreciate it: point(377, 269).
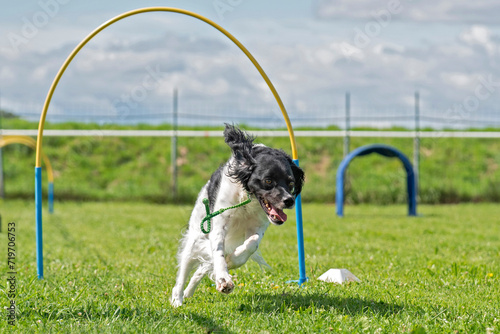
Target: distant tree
point(7, 114)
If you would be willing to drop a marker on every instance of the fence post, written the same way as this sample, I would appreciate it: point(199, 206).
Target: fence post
point(416, 142)
point(174, 146)
point(2, 189)
point(347, 123)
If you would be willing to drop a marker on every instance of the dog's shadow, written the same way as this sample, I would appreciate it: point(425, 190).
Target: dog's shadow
point(267, 303)
point(209, 325)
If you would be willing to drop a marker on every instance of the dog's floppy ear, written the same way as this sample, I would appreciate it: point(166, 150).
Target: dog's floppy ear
point(241, 145)
point(239, 141)
point(298, 175)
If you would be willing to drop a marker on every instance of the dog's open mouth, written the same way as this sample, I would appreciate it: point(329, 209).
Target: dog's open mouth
point(275, 215)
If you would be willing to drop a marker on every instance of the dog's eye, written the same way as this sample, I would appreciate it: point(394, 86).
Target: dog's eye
point(268, 181)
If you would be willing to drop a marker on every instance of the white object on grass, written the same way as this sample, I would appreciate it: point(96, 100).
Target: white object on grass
point(338, 276)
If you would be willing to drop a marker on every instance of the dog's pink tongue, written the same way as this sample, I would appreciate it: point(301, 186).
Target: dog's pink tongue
point(278, 214)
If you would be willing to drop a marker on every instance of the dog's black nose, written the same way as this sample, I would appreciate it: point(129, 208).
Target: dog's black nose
point(289, 202)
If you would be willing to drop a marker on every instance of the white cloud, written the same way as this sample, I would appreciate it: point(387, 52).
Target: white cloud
point(7, 74)
point(477, 34)
point(458, 80)
point(39, 73)
point(463, 11)
point(482, 36)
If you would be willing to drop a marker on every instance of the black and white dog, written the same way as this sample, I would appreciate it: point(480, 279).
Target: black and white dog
point(270, 179)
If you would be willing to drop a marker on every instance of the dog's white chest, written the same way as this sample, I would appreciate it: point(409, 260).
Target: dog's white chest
point(243, 222)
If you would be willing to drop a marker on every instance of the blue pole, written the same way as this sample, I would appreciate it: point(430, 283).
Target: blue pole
point(51, 197)
point(412, 192)
point(300, 237)
point(339, 192)
point(38, 205)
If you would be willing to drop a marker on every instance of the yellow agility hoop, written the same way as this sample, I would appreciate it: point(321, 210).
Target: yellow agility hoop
point(41, 124)
point(158, 9)
point(30, 142)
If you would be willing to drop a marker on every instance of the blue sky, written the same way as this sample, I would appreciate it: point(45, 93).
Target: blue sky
point(313, 51)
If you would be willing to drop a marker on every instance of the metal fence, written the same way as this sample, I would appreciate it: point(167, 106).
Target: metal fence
point(352, 113)
point(347, 121)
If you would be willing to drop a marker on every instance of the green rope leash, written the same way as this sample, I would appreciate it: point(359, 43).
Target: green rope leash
point(209, 215)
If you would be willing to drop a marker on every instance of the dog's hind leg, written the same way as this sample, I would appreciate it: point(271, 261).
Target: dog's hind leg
point(186, 265)
point(196, 279)
point(257, 257)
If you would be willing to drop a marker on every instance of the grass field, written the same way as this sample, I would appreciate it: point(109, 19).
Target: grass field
point(109, 267)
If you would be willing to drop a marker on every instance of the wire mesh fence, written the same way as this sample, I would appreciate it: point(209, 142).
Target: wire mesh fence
point(450, 169)
point(351, 115)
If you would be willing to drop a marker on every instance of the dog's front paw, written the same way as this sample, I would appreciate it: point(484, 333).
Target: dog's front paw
point(225, 285)
point(175, 302)
point(176, 299)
